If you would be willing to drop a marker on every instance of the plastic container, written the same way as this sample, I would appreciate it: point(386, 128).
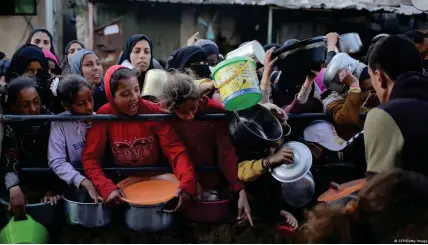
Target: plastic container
point(237, 81)
point(26, 231)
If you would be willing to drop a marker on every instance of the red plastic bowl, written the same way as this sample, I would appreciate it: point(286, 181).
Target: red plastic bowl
point(207, 211)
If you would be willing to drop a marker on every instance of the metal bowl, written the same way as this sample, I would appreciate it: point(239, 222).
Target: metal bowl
point(301, 165)
point(255, 126)
point(81, 210)
point(44, 213)
point(299, 193)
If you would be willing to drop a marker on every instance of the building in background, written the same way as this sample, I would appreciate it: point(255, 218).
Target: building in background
point(19, 17)
point(230, 22)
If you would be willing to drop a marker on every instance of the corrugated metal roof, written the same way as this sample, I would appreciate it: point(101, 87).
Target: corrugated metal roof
point(394, 6)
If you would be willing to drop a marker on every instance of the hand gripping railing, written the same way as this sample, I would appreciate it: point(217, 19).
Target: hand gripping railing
point(141, 117)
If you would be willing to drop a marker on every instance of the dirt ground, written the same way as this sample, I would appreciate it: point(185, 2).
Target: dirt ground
point(180, 233)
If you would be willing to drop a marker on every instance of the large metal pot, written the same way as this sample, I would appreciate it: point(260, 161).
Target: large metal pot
point(255, 126)
point(44, 213)
point(80, 209)
point(296, 61)
point(148, 218)
point(350, 43)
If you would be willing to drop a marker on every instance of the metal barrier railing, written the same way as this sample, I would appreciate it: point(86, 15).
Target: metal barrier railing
point(141, 117)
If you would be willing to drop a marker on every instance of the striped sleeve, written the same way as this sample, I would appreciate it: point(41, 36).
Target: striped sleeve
point(383, 142)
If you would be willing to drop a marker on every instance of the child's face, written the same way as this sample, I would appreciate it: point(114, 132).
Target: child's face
point(28, 102)
point(187, 110)
point(83, 104)
point(126, 96)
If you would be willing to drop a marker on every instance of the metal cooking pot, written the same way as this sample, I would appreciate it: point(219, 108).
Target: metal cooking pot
point(153, 82)
point(255, 126)
point(44, 213)
point(300, 192)
point(152, 218)
point(350, 43)
point(296, 61)
point(337, 64)
point(212, 208)
point(80, 209)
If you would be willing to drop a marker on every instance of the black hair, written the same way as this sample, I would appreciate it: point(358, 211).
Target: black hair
point(122, 73)
point(2, 55)
point(69, 86)
point(416, 36)
point(395, 55)
point(16, 85)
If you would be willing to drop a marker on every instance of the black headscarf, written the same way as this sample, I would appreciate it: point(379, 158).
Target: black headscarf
point(22, 58)
point(47, 33)
point(67, 47)
point(126, 53)
point(134, 39)
point(182, 58)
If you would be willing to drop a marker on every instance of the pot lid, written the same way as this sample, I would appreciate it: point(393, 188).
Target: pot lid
point(420, 4)
point(339, 191)
point(300, 166)
point(149, 190)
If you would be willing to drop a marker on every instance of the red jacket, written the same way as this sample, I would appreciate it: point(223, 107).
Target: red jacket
point(208, 143)
point(134, 143)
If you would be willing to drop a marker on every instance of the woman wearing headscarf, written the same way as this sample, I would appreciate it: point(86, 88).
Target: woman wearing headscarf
point(70, 49)
point(211, 50)
point(191, 57)
point(139, 51)
point(29, 60)
point(43, 39)
point(87, 64)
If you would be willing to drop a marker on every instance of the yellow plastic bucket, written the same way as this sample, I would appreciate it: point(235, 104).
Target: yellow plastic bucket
point(237, 81)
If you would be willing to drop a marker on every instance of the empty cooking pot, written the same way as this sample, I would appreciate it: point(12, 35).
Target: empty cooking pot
point(255, 126)
point(350, 43)
point(300, 192)
point(80, 209)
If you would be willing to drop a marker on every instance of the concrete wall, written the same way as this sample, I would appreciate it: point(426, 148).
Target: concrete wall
point(15, 29)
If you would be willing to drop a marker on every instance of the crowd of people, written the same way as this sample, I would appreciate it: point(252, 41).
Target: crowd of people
point(390, 85)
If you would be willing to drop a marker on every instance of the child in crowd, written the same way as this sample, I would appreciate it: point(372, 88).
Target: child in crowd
point(391, 206)
point(208, 142)
point(24, 145)
point(133, 143)
point(67, 138)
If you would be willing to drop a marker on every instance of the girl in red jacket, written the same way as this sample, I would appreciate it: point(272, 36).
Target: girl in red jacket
point(133, 143)
point(208, 142)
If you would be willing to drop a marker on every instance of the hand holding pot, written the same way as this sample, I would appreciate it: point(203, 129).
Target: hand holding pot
point(50, 198)
point(332, 39)
point(115, 197)
point(17, 201)
point(90, 188)
point(269, 62)
point(347, 78)
point(184, 199)
point(279, 113)
point(198, 195)
point(244, 210)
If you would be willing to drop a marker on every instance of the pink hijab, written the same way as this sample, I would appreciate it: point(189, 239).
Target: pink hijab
point(319, 81)
point(51, 56)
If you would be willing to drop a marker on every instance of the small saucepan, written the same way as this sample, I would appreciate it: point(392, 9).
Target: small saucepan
point(350, 43)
